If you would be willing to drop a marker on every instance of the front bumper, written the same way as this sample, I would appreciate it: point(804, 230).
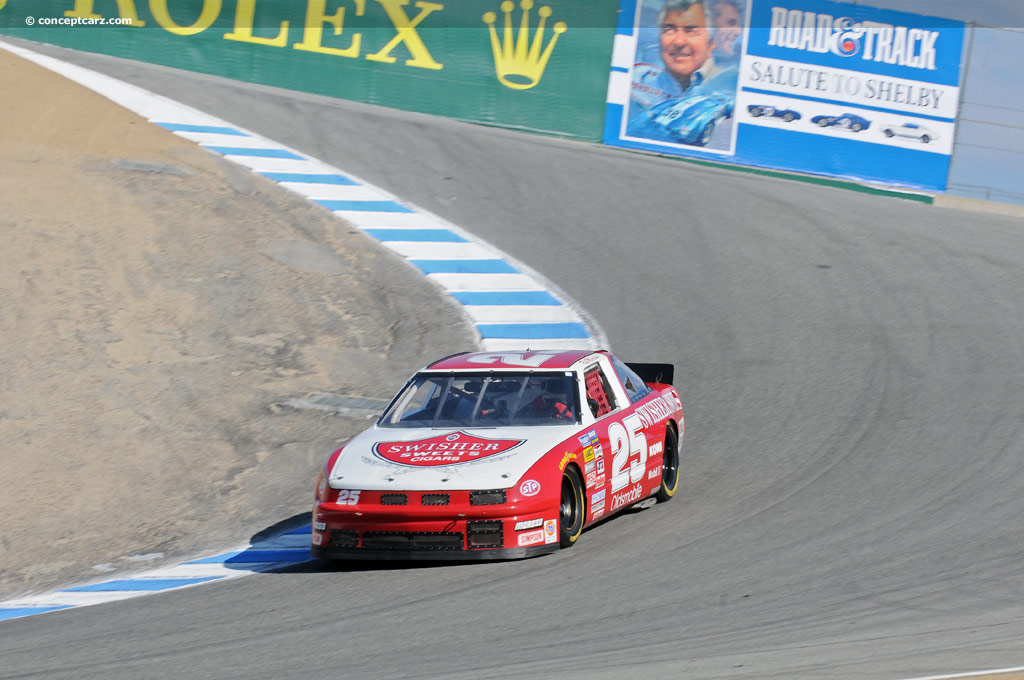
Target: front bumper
point(457, 531)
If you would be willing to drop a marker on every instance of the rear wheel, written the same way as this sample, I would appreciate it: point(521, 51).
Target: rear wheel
point(571, 512)
point(669, 466)
point(856, 127)
point(925, 138)
point(788, 117)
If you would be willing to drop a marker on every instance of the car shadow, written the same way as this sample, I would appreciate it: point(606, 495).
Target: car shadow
point(290, 539)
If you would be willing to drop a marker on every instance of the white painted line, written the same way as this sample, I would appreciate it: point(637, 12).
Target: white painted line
point(972, 674)
point(520, 314)
point(476, 282)
point(425, 250)
point(337, 192)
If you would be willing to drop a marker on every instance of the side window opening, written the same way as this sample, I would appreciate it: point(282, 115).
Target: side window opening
point(599, 394)
point(636, 388)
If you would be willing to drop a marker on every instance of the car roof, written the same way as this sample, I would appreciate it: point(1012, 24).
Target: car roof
point(525, 360)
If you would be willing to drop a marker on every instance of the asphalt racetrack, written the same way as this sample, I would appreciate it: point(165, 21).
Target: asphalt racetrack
point(853, 477)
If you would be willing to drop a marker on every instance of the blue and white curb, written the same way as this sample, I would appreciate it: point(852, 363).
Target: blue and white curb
point(510, 305)
point(282, 551)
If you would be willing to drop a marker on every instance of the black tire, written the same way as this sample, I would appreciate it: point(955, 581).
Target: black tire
point(889, 133)
point(572, 510)
point(925, 138)
point(669, 466)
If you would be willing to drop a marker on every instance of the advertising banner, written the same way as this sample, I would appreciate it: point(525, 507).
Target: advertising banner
point(533, 65)
point(814, 86)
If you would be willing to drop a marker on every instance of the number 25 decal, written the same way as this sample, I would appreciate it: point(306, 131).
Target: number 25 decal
point(627, 439)
point(348, 497)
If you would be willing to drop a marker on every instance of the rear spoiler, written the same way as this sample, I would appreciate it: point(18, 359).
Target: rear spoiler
point(654, 373)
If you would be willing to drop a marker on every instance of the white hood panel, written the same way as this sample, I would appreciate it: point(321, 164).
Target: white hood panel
point(359, 466)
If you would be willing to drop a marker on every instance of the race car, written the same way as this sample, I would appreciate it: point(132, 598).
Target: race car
point(788, 115)
point(847, 121)
point(498, 455)
point(912, 130)
point(690, 119)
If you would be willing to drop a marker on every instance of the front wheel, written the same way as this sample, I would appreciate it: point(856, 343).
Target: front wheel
point(705, 136)
point(669, 466)
point(571, 512)
point(925, 138)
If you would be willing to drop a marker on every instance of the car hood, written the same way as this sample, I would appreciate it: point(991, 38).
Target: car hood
point(445, 458)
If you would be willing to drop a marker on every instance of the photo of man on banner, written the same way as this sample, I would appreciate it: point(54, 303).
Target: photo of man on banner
point(683, 86)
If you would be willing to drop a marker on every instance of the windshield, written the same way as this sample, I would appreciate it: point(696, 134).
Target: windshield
point(484, 400)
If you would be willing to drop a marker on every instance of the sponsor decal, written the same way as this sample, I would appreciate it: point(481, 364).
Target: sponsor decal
point(591, 478)
point(600, 466)
point(655, 449)
point(598, 496)
point(584, 440)
point(531, 537)
point(654, 411)
point(550, 531)
point(873, 40)
point(590, 466)
point(320, 526)
point(596, 509)
point(588, 454)
point(627, 497)
point(565, 460)
point(654, 473)
point(317, 539)
point(322, 488)
point(529, 524)
point(529, 487)
point(444, 449)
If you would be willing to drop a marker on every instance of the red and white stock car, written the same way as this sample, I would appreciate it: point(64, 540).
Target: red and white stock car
point(498, 455)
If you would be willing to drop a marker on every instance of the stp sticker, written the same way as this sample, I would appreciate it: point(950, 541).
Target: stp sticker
point(550, 531)
point(531, 537)
point(529, 487)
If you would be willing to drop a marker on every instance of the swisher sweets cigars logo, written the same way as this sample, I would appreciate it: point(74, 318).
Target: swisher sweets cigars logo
point(872, 40)
point(444, 449)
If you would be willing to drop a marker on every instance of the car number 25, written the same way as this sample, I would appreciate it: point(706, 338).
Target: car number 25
point(627, 439)
point(348, 497)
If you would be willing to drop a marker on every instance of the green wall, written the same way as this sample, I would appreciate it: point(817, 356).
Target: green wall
point(434, 57)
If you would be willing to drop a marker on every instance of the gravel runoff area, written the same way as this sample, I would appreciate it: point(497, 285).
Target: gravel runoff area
point(161, 314)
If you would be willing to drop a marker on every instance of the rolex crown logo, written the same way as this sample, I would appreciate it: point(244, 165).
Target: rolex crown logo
point(518, 62)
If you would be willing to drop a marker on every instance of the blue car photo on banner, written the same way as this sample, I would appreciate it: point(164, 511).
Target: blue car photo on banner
point(679, 73)
point(828, 88)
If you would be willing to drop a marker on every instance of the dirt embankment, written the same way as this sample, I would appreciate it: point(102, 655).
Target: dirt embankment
point(157, 306)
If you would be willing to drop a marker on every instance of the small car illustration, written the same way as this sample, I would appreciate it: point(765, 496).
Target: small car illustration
point(788, 115)
point(498, 455)
point(847, 121)
point(911, 130)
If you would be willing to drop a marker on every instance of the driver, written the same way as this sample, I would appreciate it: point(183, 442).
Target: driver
point(553, 403)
